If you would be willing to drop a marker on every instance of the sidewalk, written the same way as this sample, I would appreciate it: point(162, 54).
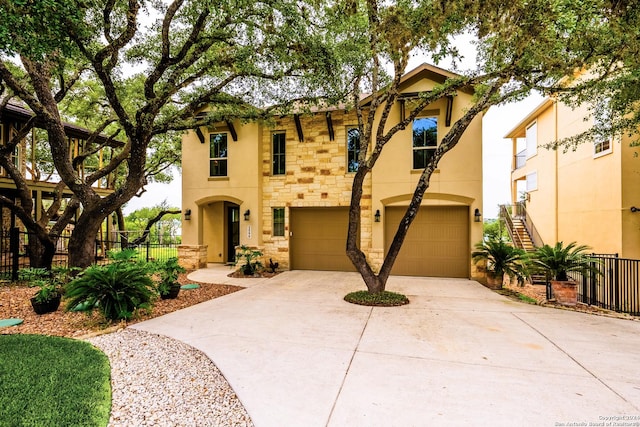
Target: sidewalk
point(298, 355)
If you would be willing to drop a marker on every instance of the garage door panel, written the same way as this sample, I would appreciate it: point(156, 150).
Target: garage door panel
point(437, 243)
point(318, 239)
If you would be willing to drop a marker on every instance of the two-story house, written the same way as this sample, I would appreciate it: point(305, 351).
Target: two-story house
point(285, 188)
point(588, 195)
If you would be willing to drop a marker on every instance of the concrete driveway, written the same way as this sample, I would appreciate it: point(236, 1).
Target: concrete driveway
point(298, 355)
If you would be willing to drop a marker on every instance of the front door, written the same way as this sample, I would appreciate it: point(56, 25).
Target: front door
point(233, 232)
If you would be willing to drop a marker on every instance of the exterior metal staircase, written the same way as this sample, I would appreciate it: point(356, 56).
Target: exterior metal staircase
point(520, 235)
point(522, 232)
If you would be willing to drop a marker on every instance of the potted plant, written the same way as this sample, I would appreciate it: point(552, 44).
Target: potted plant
point(47, 298)
point(250, 260)
point(559, 260)
point(500, 258)
point(168, 287)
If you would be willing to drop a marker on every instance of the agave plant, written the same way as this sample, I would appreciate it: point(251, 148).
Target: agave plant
point(556, 261)
point(501, 258)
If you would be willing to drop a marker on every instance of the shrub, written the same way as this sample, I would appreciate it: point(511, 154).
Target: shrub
point(251, 260)
point(168, 271)
point(117, 289)
point(556, 261)
point(501, 258)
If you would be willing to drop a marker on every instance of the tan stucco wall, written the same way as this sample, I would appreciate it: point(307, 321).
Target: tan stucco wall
point(204, 195)
point(630, 183)
point(583, 197)
point(316, 176)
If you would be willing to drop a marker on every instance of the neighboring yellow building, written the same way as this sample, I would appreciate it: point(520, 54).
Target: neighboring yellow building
point(588, 195)
point(286, 189)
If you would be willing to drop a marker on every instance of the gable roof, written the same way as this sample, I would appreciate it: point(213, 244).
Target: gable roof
point(519, 131)
point(426, 71)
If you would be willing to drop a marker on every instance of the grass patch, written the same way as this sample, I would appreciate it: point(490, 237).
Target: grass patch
point(527, 299)
point(382, 299)
point(517, 296)
point(53, 381)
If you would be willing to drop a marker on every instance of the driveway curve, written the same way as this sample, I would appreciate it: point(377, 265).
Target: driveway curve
point(297, 354)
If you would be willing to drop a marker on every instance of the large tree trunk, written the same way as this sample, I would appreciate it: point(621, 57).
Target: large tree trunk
point(376, 283)
point(82, 243)
point(41, 252)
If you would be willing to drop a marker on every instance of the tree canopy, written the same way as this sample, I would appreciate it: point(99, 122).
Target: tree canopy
point(522, 46)
point(143, 72)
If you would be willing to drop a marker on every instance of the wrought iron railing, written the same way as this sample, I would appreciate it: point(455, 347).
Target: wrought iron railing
point(505, 215)
point(521, 212)
point(15, 245)
point(616, 288)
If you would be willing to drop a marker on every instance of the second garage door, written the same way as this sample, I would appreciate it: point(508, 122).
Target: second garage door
point(436, 245)
point(318, 239)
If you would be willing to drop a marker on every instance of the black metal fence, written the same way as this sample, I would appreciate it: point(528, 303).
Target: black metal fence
point(617, 288)
point(15, 245)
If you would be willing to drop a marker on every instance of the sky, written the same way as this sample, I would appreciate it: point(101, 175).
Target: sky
point(497, 151)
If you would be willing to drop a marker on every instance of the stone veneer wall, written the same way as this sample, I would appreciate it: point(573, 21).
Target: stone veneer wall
point(192, 257)
point(316, 176)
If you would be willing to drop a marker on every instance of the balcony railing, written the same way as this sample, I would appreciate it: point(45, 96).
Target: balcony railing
point(521, 159)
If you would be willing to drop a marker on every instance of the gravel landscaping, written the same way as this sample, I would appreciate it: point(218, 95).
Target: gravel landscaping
point(156, 381)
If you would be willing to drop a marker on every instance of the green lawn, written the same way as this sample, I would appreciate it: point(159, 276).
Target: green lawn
point(52, 381)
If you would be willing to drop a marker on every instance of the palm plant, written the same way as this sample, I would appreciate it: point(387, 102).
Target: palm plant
point(556, 261)
point(117, 289)
point(501, 258)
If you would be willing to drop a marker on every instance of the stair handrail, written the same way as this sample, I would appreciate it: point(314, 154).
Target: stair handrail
point(528, 222)
point(506, 216)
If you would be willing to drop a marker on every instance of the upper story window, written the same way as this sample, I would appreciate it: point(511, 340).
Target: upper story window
point(278, 221)
point(278, 151)
point(218, 154)
point(425, 140)
point(532, 181)
point(531, 136)
point(602, 122)
point(353, 149)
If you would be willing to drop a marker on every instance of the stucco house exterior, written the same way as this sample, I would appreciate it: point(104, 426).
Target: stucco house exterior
point(589, 195)
point(286, 188)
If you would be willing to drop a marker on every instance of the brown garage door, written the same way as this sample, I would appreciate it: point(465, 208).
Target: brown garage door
point(318, 239)
point(436, 245)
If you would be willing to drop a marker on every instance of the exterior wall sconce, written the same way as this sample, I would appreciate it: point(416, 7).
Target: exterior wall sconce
point(187, 215)
point(247, 215)
point(377, 215)
point(477, 215)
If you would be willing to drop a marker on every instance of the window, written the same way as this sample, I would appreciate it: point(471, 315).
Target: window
point(15, 156)
point(279, 151)
point(218, 154)
point(278, 221)
point(532, 139)
point(532, 181)
point(353, 149)
point(602, 124)
point(425, 140)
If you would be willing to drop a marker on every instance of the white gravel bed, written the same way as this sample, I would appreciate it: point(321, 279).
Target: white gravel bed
point(157, 381)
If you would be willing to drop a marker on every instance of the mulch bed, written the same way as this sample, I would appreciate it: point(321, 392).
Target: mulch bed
point(14, 303)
